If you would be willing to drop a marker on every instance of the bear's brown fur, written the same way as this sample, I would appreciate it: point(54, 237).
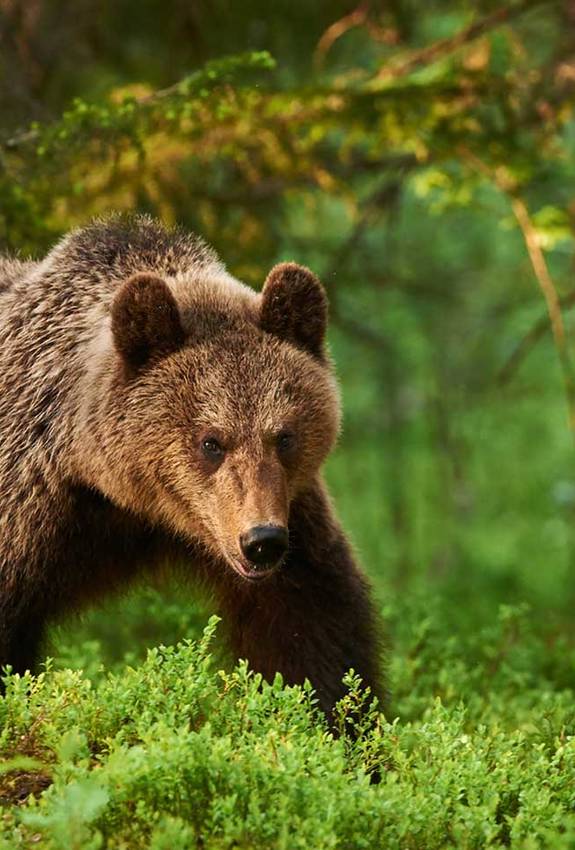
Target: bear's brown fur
point(153, 409)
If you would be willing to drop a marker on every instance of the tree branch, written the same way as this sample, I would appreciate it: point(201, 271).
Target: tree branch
point(501, 178)
point(528, 342)
point(445, 46)
point(354, 19)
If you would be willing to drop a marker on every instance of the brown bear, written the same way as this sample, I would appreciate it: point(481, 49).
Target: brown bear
point(154, 409)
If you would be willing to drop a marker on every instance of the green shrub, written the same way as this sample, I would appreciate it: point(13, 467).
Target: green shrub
point(174, 753)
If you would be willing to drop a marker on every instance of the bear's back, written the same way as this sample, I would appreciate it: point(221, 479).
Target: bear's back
point(13, 270)
point(120, 245)
point(88, 264)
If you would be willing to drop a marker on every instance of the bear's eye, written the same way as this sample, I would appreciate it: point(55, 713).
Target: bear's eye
point(285, 442)
point(213, 450)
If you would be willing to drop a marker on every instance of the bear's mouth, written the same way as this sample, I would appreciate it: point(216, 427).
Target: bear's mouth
point(251, 573)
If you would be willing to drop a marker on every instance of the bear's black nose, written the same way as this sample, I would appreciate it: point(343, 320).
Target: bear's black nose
point(264, 545)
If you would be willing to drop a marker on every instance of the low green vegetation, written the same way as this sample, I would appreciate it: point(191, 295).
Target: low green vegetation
point(478, 751)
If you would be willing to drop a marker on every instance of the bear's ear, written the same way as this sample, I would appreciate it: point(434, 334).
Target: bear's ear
point(145, 321)
point(294, 307)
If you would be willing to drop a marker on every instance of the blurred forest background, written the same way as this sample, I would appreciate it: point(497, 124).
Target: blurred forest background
point(420, 157)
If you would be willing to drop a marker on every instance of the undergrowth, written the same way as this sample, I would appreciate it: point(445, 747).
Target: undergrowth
point(478, 750)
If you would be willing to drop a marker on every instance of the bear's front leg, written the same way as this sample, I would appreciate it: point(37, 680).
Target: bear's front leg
point(21, 635)
point(314, 618)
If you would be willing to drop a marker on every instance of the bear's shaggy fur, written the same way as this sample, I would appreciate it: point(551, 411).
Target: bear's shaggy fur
point(154, 409)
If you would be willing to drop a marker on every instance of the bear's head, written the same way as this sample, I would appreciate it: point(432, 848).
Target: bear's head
point(227, 409)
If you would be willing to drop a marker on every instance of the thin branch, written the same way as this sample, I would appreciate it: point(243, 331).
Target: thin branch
point(541, 271)
point(445, 46)
point(356, 18)
point(536, 333)
point(501, 178)
point(24, 137)
point(365, 334)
